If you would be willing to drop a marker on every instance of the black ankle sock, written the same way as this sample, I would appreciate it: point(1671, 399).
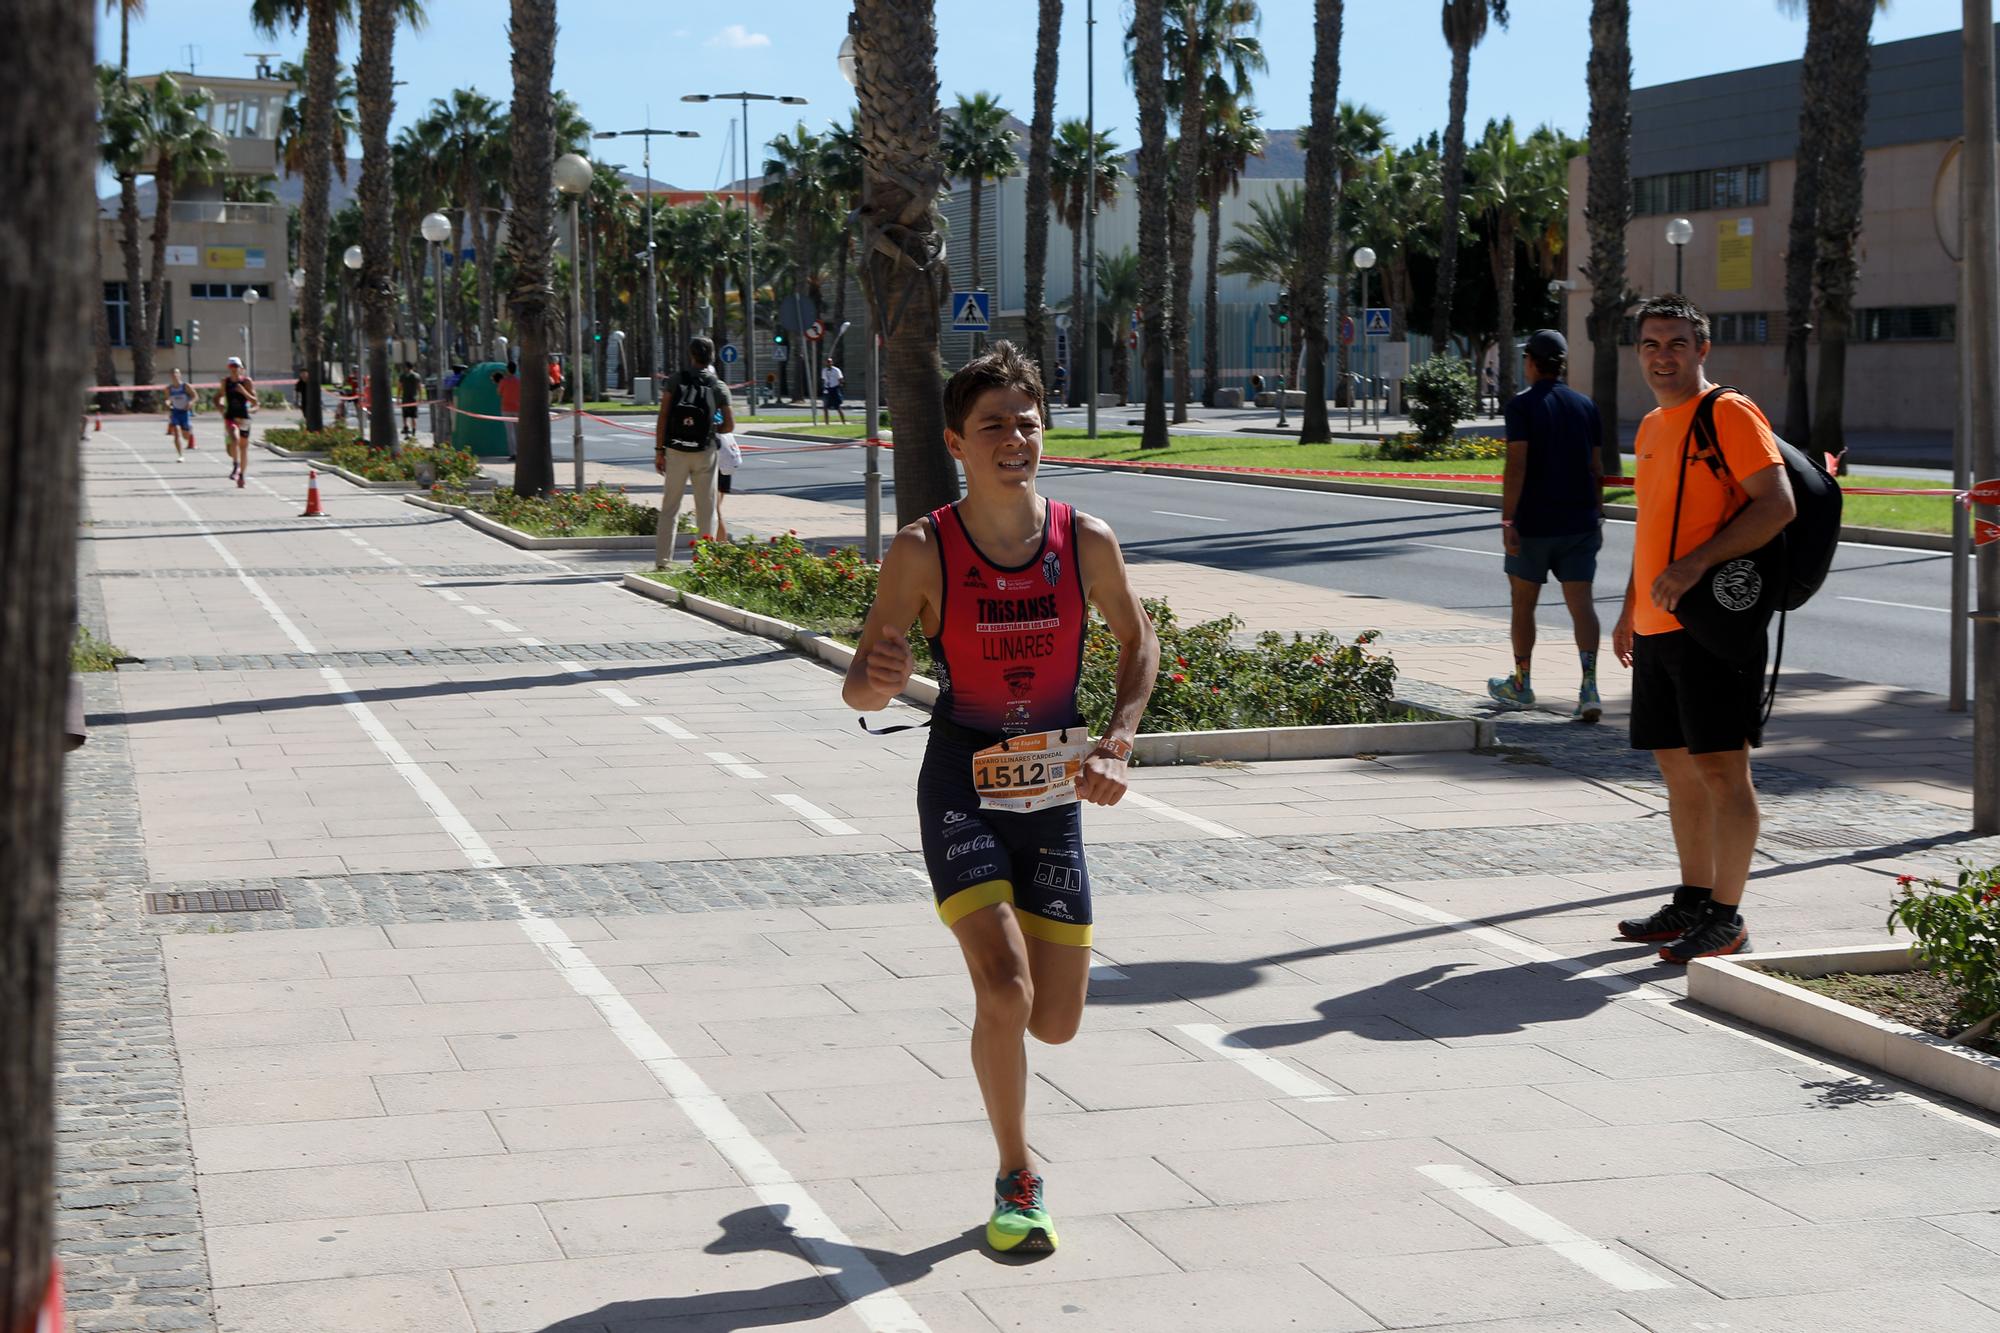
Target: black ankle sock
point(1689, 895)
point(1721, 911)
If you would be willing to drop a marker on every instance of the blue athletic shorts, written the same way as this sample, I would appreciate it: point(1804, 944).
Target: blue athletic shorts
point(1572, 558)
point(977, 858)
point(178, 418)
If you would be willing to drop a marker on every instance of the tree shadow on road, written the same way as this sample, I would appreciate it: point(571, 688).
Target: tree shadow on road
point(853, 1273)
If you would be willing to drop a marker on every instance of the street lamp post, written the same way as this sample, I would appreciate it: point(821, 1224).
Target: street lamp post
point(648, 134)
point(1364, 259)
point(1090, 218)
point(436, 228)
point(250, 299)
point(1679, 232)
point(572, 177)
point(749, 228)
point(352, 260)
point(872, 476)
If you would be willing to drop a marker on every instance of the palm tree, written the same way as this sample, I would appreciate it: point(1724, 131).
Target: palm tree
point(127, 10)
point(1072, 193)
point(531, 237)
point(1210, 56)
point(1232, 138)
point(978, 147)
point(322, 19)
point(1465, 26)
point(1117, 297)
point(291, 120)
point(796, 192)
point(463, 124)
point(1839, 171)
point(121, 147)
point(1497, 169)
point(1149, 79)
point(1035, 260)
point(902, 270)
point(1271, 248)
point(1607, 206)
point(1315, 248)
point(1360, 134)
point(1393, 202)
point(842, 166)
point(177, 136)
point(375, 79)
point(47, 102)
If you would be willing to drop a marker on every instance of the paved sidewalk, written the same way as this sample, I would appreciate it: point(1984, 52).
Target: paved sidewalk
point(599, 991)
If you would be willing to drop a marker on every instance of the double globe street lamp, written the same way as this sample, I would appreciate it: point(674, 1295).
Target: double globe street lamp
point(573, 176)
point(352, 259)
point(1364, 260)
point(1679, 232)
point(250, 298)
point(436, 229)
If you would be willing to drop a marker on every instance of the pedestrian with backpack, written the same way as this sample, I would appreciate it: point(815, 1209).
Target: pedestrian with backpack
point(1708, 500)
point(685, 450)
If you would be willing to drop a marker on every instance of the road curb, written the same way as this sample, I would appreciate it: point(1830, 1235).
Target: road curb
point(1436, 733)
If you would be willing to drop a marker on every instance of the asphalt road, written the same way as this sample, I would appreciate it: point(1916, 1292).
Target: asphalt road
point(1882, 615)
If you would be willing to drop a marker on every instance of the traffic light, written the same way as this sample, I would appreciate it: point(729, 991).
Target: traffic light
point(194, 331)
point(778, 337)
point(179, 337)
point(1281, 311)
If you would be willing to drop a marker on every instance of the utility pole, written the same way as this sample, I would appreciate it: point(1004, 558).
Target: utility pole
point(648, 134)
point(1090, 217)
point(1979, 367)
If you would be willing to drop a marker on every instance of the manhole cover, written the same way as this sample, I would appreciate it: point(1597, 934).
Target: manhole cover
point(1832, 837)
point(215, 900)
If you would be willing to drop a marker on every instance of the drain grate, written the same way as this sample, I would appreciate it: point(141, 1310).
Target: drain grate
point(1834, 838)
point(215, 900)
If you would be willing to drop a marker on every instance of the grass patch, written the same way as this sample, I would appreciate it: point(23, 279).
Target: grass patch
point(87, 652)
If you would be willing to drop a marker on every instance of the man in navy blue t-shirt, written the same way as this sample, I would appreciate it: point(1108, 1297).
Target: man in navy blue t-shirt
point(1551, 517)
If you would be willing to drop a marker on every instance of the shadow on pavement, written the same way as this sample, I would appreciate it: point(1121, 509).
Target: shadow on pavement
point(809, 1297)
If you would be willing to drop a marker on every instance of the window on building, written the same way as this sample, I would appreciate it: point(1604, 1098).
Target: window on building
point(118, 315)
point(1906, 323)
point(1698, 191)
point(1740, 326)
point(226, 291)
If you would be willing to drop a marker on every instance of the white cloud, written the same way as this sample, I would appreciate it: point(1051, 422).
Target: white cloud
point(737, 37)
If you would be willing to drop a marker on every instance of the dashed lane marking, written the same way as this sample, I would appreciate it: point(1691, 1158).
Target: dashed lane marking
point(1286, 1079)
point(735, 767)
point(813, 815)
point(505, 627)
point(1162, 810)
point(619, 697)
point(669, 726)
point(1594, 1258)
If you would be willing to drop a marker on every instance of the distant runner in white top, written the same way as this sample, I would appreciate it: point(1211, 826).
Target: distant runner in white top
point(830, 381)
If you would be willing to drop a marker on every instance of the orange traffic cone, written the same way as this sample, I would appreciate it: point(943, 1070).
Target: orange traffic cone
point(98, 423)
point(312, 495)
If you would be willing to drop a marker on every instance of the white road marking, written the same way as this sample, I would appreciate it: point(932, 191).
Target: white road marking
point(813, 815)
point(531, 642)
point(1907, 606)
point(1614, 981)
point(387, 559)
point(669, 726)
point(472, 610)
point(1462, 550)
point(1200, 518)
point(1103, 971)
point(1292, 1082)
point(447, 594)
point(1161, 809)
point(578, 669)
point(1598, 1260)
point(619, 697)
point(503, 626)
point(730, 764)
point(845, 1267)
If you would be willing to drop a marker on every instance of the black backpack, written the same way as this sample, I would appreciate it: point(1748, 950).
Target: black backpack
point(691, 416)
point(1729, 609)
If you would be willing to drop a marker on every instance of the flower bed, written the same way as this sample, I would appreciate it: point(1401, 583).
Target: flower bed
point(1410, 448)
point(370, 464)
point(597, 512)
point(1207, 681)
point(299, 440)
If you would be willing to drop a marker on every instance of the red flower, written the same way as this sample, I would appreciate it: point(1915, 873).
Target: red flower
point(1905, 881)
point(1179, 679)
point(1180, 661)
point(786, 586)
point(1215, 689)
point(1318, 660)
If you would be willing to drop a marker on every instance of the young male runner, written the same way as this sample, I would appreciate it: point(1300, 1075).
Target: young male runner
point(1002, 584)
point(239, 400)
point(1699, 714)
point(180, 419)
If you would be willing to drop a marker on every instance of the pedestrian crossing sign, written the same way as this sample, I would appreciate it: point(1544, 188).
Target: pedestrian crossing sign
point(1376, 324)
point(970, 312)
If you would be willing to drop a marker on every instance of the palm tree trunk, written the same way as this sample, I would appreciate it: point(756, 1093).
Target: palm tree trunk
point(1187, 188)
point(897, 124)
point(156, 285)
point(100, 324)
point(376, 93)
point(487, 228)
point(978, 216)
point(844, 258)
point(718, 284)
point(1802, 239)
point(1211, 316)
point(322, 66)
point(1148, 63)
point(1041, 130)
point(531, 237)
point(1608, 202)
point(459, 331)
point(1322, 207)
point(1841, 165)
point(1343, 389)
point(1454, 197)
point(135, 288)
point(1504, 290)
point(47, 107)
point(1121, 371)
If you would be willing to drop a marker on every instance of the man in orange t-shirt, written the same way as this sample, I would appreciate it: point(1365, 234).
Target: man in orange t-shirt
point(1698, 714)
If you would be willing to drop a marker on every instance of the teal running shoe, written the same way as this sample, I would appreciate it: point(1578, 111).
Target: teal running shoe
point(1506, 690)
point(1020, 1224)
point(1589, 708)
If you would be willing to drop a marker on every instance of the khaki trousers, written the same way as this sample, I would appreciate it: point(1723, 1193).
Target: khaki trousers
point(684, 467)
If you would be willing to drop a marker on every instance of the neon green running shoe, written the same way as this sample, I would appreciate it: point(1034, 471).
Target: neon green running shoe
point(1020, 1224)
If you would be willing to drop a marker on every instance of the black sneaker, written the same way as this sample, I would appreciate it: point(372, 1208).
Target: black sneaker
point(1671, 922)
point(1713, 936)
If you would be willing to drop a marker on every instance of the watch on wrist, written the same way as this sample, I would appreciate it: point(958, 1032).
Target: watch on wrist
point(1119, 750)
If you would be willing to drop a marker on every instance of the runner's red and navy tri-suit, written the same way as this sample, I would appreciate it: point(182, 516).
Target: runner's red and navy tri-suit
point(1009, 651)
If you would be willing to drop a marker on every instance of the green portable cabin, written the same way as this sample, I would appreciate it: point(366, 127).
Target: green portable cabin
point(476, 392)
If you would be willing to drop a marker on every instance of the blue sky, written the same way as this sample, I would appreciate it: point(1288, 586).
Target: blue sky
point(617, 59)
